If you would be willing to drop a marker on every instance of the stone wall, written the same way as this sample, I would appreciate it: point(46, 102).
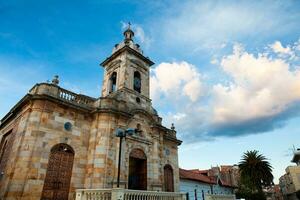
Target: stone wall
point(38, 131)
point(17, 128)
point(104, 146)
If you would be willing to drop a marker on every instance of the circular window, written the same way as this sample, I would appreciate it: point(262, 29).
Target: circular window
point(68, 126)
point(167, 151)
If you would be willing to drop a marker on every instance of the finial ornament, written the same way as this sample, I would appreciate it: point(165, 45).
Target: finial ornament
point(55, 80)
point(128, 33)
point(172, 127)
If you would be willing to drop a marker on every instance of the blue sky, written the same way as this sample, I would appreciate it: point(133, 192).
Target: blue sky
point(226, 73)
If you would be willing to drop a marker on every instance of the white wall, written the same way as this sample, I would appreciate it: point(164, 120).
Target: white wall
point(200, 188)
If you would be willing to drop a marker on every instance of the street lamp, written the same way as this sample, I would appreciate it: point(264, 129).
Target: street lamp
point(122, 134)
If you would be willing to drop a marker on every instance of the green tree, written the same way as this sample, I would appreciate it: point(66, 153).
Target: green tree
point(256, 173)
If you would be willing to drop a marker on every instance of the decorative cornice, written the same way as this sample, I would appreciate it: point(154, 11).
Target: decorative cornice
point(139, 139)
point(130, 50)
point(173, 139)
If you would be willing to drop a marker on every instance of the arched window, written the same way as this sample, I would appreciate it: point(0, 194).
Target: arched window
point(5, 148)
point(137, 81)
point(3, 161)
point(113, 82)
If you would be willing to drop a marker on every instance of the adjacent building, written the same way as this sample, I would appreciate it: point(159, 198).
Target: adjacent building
point(231, 174)
point(54, 141)
point(273, 193)
point(228, 173)
point(290, 182)
point(198, 184)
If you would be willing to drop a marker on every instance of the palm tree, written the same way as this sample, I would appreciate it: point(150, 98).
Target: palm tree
point(255, 171)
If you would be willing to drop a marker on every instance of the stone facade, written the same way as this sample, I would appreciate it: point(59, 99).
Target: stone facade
point(39, 121)
point(290, 182)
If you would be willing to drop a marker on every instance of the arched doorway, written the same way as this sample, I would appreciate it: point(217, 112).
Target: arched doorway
point(168, 178)
point(137, 170)
point(59, 172)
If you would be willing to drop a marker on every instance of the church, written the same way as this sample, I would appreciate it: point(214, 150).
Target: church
point(54, 141)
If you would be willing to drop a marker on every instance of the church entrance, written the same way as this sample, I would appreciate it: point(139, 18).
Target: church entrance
point(59, 172)
point(168, 178)
point(137, 170)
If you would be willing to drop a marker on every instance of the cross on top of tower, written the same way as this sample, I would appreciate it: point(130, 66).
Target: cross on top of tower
point(128, 33)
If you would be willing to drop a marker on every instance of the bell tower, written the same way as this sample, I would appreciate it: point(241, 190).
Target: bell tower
point(126, 72)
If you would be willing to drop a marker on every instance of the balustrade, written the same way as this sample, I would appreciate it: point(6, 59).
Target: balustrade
point(93, 194)
point(151, 195)
point(74, 98)
point(63, 94)
point(123, 194)
point(219, 197)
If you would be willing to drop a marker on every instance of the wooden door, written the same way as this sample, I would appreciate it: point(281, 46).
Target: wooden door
point(168, 178)
point(59, 172)
point(137, 179)
point(137, 174)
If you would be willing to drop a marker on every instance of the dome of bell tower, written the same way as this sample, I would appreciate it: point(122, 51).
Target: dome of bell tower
point(128, 34)
point(128, 41)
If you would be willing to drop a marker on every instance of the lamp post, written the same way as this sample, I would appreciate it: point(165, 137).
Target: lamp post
point(122, 134)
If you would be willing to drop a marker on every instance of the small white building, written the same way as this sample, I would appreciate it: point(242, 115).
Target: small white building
point(197, 186)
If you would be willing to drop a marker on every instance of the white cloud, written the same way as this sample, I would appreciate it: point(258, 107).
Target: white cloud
point(179, 116)
point(280, 50)
point(174, 80)
point(211, 24)
point(214, 61)
point(259, 91)
point(141, 36)
point(261, 87)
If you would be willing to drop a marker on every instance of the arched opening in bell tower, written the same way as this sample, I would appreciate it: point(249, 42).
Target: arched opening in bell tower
point(137, 81)
point(113, 82)
point(137, 179)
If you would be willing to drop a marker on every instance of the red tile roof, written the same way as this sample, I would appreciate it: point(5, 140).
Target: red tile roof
point(225, 183)
point(197, 175)
point(203, 171)
point(192, 175)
